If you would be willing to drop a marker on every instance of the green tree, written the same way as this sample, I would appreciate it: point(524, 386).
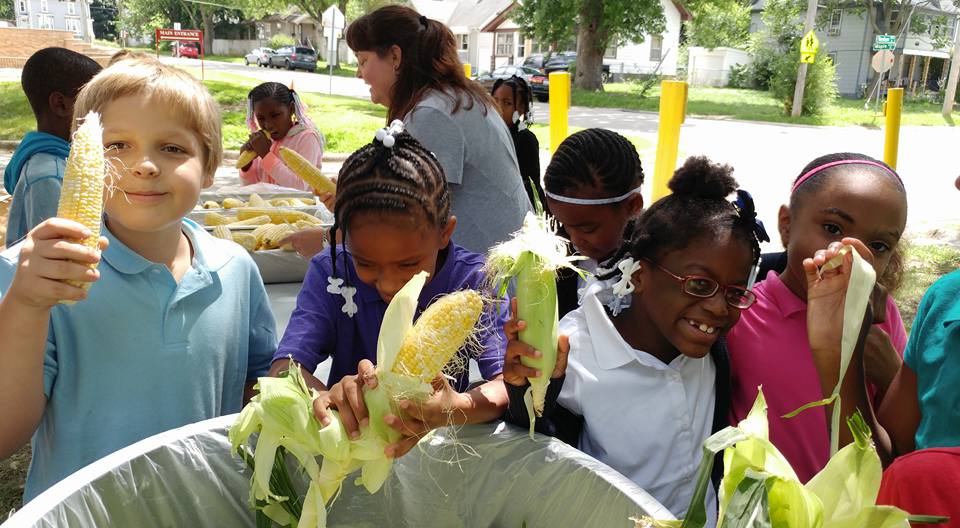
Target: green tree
point(718, 23)
point(105, 19)
point(6, 9)
point(596, 23)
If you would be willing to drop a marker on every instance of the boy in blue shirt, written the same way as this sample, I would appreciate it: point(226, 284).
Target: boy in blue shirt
point(176, 327)
point(51, 79)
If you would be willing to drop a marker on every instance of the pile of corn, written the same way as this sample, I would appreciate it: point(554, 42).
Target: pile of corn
point(256, 201)
point(408, 357)
point(273, 224)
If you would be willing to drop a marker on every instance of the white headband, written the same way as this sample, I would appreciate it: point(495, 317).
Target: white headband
point(592, 201)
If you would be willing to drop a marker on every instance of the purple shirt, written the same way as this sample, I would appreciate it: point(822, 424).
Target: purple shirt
point(319, 329)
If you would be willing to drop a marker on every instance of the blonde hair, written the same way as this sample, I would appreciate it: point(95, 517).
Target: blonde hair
point(126, 54)
point(173, 89)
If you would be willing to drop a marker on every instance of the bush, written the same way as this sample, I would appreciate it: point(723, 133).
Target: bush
point(739, 76)
point(820, 88)
point(279, 41)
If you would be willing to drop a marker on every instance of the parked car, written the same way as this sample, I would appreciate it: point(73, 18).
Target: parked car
point(536, 80)
point(561, 62)
point(258, 56)
point(534, 61)
point(294, 57)
point(191, 50)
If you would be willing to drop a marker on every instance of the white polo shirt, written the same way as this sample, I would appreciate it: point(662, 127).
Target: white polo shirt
point(646, 419)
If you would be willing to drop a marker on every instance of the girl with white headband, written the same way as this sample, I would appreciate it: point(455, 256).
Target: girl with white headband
point(592, 186)
point(836, 196)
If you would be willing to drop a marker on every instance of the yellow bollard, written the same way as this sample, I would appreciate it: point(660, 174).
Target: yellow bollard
point(467, 70)
point(892, 109)
point(559, 107)
point(673, 106)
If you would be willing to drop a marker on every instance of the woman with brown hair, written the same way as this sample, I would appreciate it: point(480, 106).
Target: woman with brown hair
point(411, 65)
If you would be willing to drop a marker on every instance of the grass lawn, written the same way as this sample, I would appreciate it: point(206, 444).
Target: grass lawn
point(925, 264)
point(754, 105)
point(347, 123)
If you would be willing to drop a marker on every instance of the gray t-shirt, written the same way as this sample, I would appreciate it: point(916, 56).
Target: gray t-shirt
point(476, 152)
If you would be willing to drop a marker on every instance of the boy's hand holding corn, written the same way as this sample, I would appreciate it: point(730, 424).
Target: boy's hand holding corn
point(516, 373)
point(50, 255)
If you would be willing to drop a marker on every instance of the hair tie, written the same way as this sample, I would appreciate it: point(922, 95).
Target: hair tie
point(809, 174)
point(423, 21)
point(387, 135)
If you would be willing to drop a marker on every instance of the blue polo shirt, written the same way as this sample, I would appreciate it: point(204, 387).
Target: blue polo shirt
point(144, 354)
point(933, 353)
point(319, 329)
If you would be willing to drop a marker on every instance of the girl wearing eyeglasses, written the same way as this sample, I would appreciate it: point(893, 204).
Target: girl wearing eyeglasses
point(641, 390)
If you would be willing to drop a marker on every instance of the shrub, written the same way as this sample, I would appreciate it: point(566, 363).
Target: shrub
point(281, 40)
point(820, 87)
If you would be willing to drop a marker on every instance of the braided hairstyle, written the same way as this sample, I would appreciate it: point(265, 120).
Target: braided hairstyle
point(522, 95)
point(594, 157)
point(280, 93)
point(405, 178)
point(697, 208)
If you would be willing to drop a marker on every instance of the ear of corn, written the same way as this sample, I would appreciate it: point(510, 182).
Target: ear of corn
point(233, 203)
point(256, 201)
point(306, 171)
point(533, 256)
point(277, 215)
point(81, 197)
point(214, 219)
point(247, 240)
point(222, 231)
point(245, 158)
point(438, 334)
point(254, 221)
point(210, 204)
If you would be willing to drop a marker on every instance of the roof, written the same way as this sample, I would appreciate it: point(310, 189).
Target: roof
point(463, 15)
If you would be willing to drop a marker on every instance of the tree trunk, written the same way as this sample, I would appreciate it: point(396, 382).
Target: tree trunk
point(206, 13)
point(590, 46)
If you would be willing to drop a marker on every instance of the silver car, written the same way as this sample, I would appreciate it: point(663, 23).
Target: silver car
point(258, 56)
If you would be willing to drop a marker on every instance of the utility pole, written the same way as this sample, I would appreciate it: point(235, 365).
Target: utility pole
point(802, 71)
point(951, 92)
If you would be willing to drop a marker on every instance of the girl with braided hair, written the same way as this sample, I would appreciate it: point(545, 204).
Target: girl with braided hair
point(411, 64)
point(641, 390)
point(393, 214)
point(277, 118)
point(513, 97)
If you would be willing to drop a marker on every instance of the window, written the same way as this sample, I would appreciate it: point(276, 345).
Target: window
point(833, 57)
point(464, 42)
point(22, 5)
point(504, 45)
point(45, 21)
point(72, 24)
point(656, 47)
point(521, 45)
point(610, 52)
point(23, 21)
point(71, 8)
point(44, 6)
point(836, 19)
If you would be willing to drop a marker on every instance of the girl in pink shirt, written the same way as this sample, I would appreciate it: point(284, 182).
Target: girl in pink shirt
point(835, 197)
point(277, 118)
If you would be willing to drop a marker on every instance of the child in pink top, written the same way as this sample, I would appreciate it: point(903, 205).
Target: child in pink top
point(283, 122)
point(836, 196)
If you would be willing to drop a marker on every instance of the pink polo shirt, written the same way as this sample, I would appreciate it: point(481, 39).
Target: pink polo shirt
point(769, 347)
point(272, 169)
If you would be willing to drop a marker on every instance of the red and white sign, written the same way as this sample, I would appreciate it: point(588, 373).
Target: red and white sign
point(187, 35)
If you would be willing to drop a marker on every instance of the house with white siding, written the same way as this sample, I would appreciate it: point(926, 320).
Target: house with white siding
point(488, 37)
point(70, 15)
point(848, 38)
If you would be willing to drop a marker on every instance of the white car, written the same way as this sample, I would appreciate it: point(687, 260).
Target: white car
point(258, 56)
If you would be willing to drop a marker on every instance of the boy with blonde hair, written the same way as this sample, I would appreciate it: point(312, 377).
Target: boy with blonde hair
point(177, 326)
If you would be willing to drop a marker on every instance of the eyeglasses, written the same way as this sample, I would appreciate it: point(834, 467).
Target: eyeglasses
point(705, 287)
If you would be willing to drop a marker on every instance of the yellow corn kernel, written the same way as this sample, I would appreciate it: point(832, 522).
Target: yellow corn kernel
point(306, 171)
point(300, 225)
point(233, 203)
point(277, 215)
point(210, 204)
point(273, 237)
point(222, 231)
point(81, 196)
point(247, 240)
point(255, 221)
point(213, 219)
point(256, 201)
point(245, 158)
point(438, 334)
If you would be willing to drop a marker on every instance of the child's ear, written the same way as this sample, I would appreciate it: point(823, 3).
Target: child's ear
point(638, 279)
point(447, 232)
point(60, 105)
point(208, 180)
point(783, 224)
